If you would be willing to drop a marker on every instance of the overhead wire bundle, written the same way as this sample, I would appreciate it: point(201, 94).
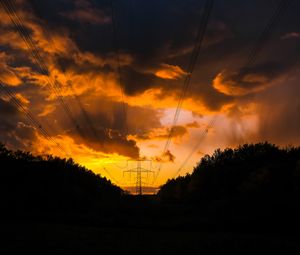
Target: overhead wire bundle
point(265, 35)
point(18, 23)
point(196, 146)
point(193, 61)
point(119, 72)
point(251, 59)
point(6, 91)
point(40, 63)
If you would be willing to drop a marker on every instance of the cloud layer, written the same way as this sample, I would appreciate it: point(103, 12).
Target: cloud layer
point(122, 94)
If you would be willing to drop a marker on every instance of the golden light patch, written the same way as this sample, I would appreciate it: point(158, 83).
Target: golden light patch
point(98, 162)
point(65, 146)
point(22, 99)
point(169, 72)
point(47, 110)
point(226, 83)
point(10, 79)
point(228, 87)
point(153, 98)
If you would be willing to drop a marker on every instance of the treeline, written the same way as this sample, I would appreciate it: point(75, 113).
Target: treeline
point(253, 187)
point(50, 184)
point(254, 183)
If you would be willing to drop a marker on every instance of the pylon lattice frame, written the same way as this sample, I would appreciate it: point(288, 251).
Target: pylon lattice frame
point(139, 171)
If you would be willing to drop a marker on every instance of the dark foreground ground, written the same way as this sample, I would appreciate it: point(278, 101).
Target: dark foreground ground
point(144, 226)
point(54, 238)
point(245, 201)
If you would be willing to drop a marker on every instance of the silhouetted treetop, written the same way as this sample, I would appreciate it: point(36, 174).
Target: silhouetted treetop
point(52, 183)
point(260, 169)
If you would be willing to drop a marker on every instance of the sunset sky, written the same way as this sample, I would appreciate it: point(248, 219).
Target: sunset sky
point(120, 87)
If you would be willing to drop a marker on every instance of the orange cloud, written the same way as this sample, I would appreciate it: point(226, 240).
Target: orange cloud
point(22, 99)
point(49, 108)
point(157, 99)
point(162, 133)
point(6, 74)
point(83, 154)
point(94, 78)
point(169, 72)
point(166, 157)
point(229, 83)
point(49, 46)
point(10, 78)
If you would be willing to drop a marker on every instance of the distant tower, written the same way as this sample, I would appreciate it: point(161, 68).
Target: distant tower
point(138, 186)
point(139, 171)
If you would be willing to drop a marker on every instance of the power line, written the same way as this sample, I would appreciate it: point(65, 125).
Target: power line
point(117, 52)
point(139, 171)
point(121, 167)
point(39, 61)
point(196, 146)
point(84, 113)
point(16, 20)
point(262, 40)
point(34, 52)
point(193, 61)
point(36, 124)
point(111, 177)
point(265, 35)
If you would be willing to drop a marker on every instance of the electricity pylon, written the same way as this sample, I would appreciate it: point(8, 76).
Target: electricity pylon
point(139, 171)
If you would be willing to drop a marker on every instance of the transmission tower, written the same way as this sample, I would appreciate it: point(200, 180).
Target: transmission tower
point(139, 173)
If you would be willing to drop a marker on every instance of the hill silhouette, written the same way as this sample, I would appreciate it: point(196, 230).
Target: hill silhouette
point(236, 201)
point(34, 184)
point(255, 186)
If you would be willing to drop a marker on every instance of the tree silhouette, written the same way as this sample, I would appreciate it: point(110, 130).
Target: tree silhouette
point(250, 169)
point(52, 184)
point(254, 183)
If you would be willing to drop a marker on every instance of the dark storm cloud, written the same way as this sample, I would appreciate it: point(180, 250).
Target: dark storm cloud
point(148, 134)
point(151, 34)
point(109, 124)
point(156, 32)
point(65, 63)
point(15, 132)
point(8, 116)
point(279, 119)
point(231, 33)
point(110, 141)
point(166, 157)
point(142, 119)
point(136, 82)
point(276, 56)
point(81, 19)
